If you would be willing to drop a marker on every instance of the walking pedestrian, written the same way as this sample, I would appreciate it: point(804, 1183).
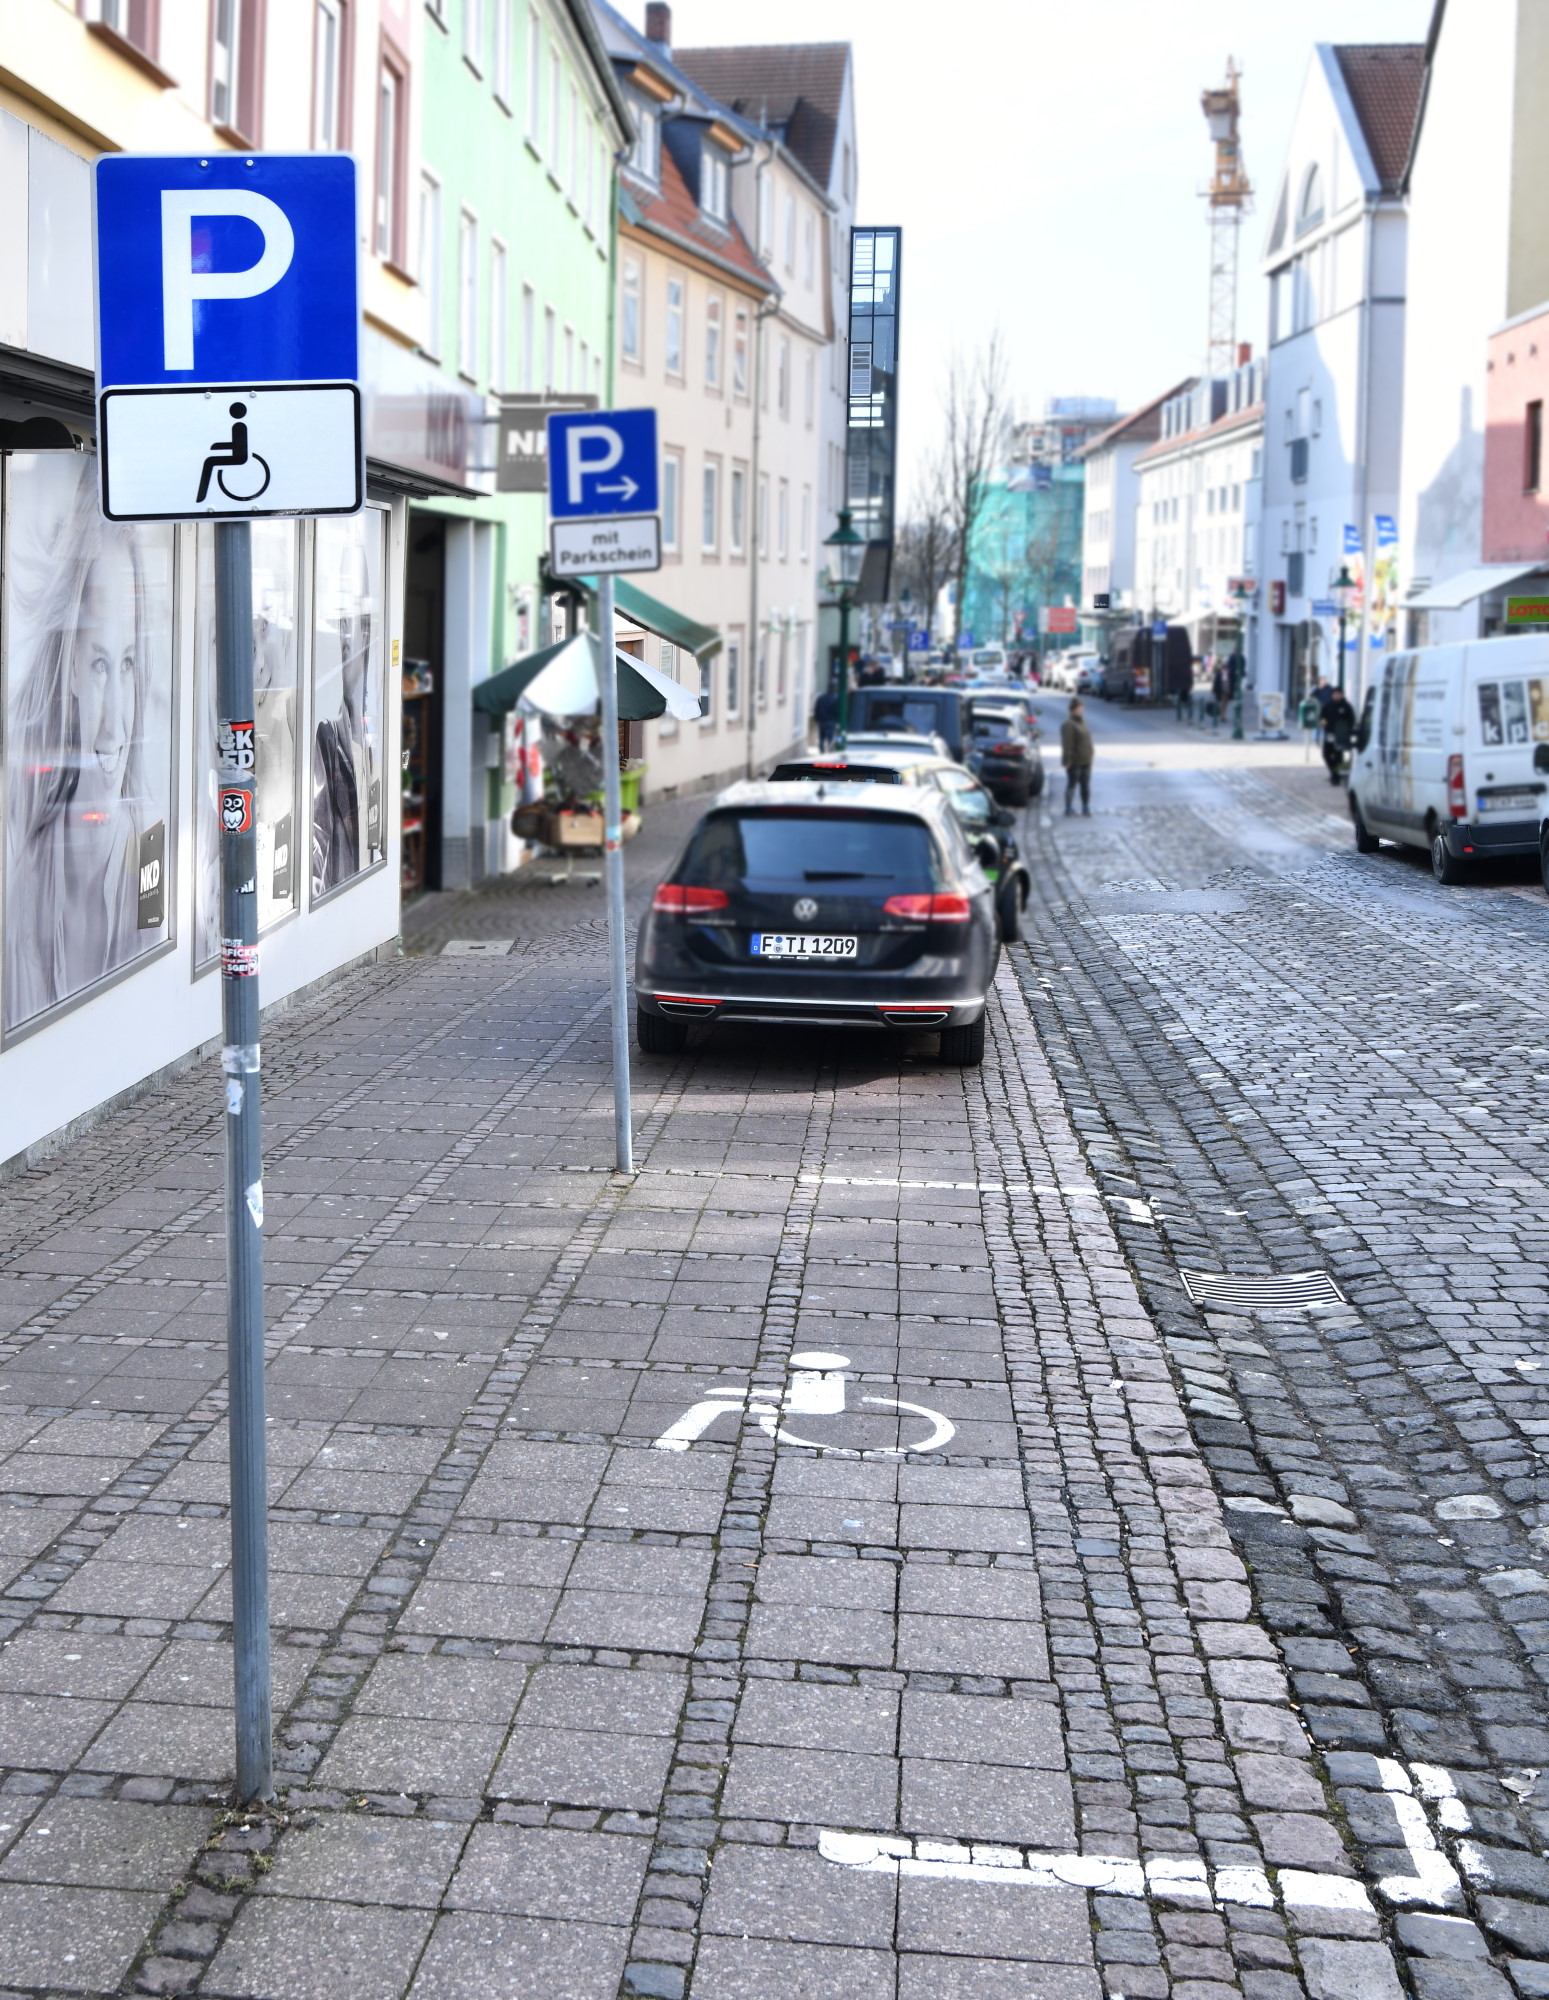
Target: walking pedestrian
point(1220, 690)
point(825, 713)
point(1338, 733)
point(1076, 752)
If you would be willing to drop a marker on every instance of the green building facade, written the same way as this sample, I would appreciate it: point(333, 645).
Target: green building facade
point(514, 210)
point(1025, 552)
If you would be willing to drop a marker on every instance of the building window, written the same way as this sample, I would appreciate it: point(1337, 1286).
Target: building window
point(590, 209)
point(468, 295)
point(761, 525)
point(502, 62)
point(733, 674)
point(473, 35)
point(713, 343)
point(806, 524)
point(328, 94)
point(707, 688)
point(783, 378)
point(133, 21)
point(765, 218)
point(810, 389)
point(575, 145)
point(672, 482)
point(556, 111)
point(739, 510)
point(783, 522)
point(674, 354)
point(629, 318)
point(499, 371)
point(647, 154)
point(550, 350)
point(809, 250)
point(710, 523)
point(569, 360)
point(529, 338)
point(534, 78)
point(712, 183)
point(739, 353)
point(391, 94)
point(790, 233)
point(236, 65)
point(430, 259)
point(1533, 463)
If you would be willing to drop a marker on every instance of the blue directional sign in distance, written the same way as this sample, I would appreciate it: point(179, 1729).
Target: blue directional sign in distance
point(602, 463)
point(1159, 628)
point(228, 317)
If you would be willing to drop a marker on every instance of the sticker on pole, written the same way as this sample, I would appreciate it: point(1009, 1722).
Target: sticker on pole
point(228, 308)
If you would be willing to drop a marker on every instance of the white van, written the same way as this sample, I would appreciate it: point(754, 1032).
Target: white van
point(1452, 752)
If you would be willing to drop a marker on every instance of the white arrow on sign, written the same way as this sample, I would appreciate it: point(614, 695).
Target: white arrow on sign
point(626, 487)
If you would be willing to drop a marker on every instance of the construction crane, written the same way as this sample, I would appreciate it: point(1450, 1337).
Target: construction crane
point(1229, 194)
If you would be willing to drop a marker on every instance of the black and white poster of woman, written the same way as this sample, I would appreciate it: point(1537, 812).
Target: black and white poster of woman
point(87, 621)
point(275, 685)
point(348, 642)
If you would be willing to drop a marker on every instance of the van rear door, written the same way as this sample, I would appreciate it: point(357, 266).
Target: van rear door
point(1506, 716)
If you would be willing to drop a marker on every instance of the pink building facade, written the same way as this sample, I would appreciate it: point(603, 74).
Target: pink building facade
point(1516, 452)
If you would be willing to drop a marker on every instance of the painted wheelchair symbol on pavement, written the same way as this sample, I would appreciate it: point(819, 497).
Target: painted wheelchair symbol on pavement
point(816, 1389)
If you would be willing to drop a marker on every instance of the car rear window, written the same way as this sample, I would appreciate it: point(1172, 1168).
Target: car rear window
point(761, 849)
point(902, 711)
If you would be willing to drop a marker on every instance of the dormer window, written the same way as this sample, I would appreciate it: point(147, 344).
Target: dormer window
point(713, 177)
point(646, 158)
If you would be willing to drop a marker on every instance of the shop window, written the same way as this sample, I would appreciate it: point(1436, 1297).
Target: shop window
point(276, 723)
point(88, 730)
point(349, 651)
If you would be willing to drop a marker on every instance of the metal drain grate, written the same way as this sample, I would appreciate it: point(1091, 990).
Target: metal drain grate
point(1296, 1291)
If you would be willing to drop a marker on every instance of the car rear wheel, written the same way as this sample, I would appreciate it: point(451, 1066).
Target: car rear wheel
point(1010, 913)
point(657, 1035)
point(964, 1047)
point(1445, 865)
point(1366, 842)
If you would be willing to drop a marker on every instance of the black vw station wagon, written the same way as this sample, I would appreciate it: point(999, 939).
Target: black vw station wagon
point(852, 905)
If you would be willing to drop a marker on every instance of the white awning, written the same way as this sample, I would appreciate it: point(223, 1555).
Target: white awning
point(1456, 591)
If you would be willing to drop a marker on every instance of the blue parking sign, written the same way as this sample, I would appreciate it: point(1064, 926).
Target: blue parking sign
point(602, 463)
point(228, 317)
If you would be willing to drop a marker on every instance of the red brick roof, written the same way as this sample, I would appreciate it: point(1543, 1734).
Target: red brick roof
point(674, 212)
point(1140, 426)
point(1233, 420)
point(797, 87)
point(1384, 80)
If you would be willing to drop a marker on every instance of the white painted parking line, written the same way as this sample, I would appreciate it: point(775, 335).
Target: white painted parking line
point(816, 1389)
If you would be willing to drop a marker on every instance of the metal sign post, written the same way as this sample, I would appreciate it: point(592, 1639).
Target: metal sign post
point(228, 330)
point(613, 874)
point(604, 480)
point(244, 1156)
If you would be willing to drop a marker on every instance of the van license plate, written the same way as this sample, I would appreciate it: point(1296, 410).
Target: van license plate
point(801, 944)
point(1519, 804)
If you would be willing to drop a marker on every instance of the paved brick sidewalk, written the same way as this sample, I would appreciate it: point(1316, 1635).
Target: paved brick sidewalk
point(567, 1715)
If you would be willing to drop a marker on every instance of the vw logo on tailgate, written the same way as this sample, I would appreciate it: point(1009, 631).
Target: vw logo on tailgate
point(804, 909)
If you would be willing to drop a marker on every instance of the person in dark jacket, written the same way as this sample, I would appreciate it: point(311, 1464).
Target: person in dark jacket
point(1076, 753)
point(825, 713)
point(1338, 733)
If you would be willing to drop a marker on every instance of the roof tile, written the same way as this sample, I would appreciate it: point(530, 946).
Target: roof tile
point(1384, 80)
point(797, 88)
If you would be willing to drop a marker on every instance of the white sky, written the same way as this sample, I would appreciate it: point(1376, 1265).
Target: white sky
point(1045, 159)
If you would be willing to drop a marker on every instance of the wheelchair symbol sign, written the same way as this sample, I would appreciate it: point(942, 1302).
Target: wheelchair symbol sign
point(816, 1389)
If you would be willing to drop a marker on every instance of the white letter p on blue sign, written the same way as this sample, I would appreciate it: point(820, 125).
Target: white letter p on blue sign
point(182, 286)
point(579, 467)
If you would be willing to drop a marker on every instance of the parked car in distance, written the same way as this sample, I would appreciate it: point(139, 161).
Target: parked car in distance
point(895, 739)
point(1452, 753)
point(981, 662)
point(980, 814)
point(1003, 755)
point(1015, 695)
point(920, 711)
point(856, 906)
point(1088, 678)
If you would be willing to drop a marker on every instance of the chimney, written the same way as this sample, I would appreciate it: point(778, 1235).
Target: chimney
point(658, 24)
point(1244, 353)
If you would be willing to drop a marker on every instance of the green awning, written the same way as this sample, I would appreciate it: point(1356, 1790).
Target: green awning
point(640, 608)
point(568, 684)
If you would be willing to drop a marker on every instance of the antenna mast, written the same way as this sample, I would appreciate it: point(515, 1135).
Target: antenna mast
point(1229, 195)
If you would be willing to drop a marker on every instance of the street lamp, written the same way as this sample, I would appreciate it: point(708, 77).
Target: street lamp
point(1344, 590)
point(849, 552)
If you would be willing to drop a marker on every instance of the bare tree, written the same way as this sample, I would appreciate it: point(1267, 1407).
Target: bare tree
point(974, 407)
point(924, 559)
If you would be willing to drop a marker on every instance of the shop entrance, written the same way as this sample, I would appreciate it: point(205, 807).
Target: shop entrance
point(424, 680)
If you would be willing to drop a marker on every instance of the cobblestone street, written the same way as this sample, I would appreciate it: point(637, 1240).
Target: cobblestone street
point(862, 1554)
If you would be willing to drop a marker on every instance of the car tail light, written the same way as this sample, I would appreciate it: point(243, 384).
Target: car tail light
point(929, 909)
point(675, 899)
point(1007, 750)
point(1457, 790)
